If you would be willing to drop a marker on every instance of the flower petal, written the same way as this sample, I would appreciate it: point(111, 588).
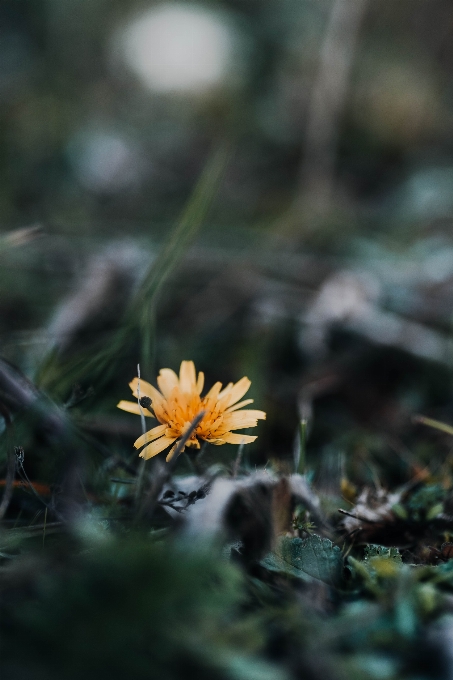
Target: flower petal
point(241, 419)
point(246, 414)
point(240, 426)
point(133, 407)
point(200, 382)
point(226, 390)
point(156, 447)
point(187, 376)
point(210, 399)
point(238, 390)
point(232, 438)
point(146, 390)
point(160, 410)
point(167, 380)
point(158, 401)
point(150, 436)
point(230, 409)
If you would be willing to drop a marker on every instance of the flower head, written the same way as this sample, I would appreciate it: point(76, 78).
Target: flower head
point(179, 401)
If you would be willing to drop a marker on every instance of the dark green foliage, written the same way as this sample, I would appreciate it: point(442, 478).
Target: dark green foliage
point(426, 501)
point(292, 224)
point(312, 557)
point(134, 609)
point(381, 552)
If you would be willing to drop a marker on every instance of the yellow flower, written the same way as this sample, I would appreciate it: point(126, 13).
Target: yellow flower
point(179, 402)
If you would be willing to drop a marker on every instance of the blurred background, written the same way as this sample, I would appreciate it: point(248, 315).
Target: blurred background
point(324, 267)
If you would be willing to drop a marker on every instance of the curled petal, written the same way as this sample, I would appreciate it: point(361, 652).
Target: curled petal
point(156, 447)
point(133, 407)
point(150, 436)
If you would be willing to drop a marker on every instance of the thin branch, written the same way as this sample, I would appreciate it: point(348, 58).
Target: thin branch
point(166, 472)
point(238, 461)
point(361, 519)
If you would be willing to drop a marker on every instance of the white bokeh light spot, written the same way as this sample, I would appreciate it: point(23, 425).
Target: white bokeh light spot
point(105, 161)
point(176, 47)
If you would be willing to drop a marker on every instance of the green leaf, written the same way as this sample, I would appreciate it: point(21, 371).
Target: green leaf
point(310, 558)
point(380, 551)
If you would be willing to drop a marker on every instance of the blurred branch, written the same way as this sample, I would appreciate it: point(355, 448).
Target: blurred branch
point(10, 464)
point(436, 424)
point(20, 237)
point(317, 172)
point(19, 394)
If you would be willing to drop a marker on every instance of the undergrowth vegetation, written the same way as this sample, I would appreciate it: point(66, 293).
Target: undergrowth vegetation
point(180, 241)
point(329, 561)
